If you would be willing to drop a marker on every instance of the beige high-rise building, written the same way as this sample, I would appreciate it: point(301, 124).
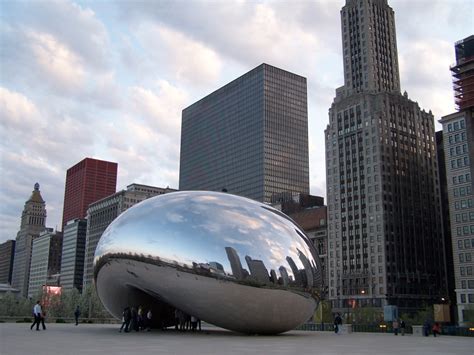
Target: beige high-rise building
point(33, 220)
point(45, 260)
point(385, 243)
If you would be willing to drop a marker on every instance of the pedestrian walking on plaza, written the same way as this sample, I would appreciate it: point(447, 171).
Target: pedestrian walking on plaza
point(43, 317)
point(426, 328)
point(337, 323)
point(37, 312)
point(436, 329)
point(402, 326)
point(395, 326)
point(126, 315)
point(77, 313)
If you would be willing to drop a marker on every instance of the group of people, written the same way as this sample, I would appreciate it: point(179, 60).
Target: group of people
point(398, 326)
point(136, 319)
point(184, 321)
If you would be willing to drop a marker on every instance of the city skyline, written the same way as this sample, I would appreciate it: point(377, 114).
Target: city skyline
point(111, 79)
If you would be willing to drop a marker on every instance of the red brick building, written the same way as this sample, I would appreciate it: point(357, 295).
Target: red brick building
point(86, 182)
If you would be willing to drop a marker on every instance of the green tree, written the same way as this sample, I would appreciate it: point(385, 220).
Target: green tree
point(91, 305)
point(418, 318)
point(367, 315)
point(323, 313)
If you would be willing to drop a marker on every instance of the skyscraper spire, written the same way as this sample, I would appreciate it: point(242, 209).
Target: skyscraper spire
point(369, 47)
point(33, 220)
point(384, 235)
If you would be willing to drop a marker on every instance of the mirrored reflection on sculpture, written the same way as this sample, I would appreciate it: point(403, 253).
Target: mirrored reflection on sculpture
point(228, 260)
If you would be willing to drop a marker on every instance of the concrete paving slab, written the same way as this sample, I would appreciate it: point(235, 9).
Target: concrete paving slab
point(17, 338)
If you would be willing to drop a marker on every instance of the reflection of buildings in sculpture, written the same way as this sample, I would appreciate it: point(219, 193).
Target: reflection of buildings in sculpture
point(235, 263)
point(216, 267)
point(307, 270)
point(296, 273)
point(258, 271)
point(45, 259)
point(284, 276)
point(33, 220)
point(101, 213)
point(273, 276)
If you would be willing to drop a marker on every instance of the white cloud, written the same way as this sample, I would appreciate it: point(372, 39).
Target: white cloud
point(17, 111)
point(57, 62)
point(191, 61)
point(159, 107)
point(424, 72)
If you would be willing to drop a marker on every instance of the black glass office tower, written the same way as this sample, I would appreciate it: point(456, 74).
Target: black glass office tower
point(249, 137)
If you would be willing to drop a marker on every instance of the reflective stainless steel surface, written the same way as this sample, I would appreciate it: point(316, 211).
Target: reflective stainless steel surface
point(230, 261)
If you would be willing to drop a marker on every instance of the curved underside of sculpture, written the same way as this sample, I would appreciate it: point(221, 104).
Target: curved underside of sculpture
point(228, 260)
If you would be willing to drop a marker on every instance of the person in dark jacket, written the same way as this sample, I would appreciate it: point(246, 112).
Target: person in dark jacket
point(134, 320)
point(126, 316)
point(77, 313)
point(337, 323)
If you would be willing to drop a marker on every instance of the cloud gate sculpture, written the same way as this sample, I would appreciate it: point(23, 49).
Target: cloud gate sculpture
point(230, 261)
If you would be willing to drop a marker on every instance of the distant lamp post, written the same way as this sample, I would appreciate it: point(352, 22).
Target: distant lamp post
point(363, 292)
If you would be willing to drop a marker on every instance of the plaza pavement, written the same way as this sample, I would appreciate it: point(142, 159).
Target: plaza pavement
point(17, 338)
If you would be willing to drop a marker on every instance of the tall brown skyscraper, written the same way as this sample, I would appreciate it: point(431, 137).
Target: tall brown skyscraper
point(385, 239)
point(86, 182)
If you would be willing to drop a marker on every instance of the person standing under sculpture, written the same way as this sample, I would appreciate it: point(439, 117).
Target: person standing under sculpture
point(134, 319)
point(149, 315)
point(141, 318)
point(125, 320)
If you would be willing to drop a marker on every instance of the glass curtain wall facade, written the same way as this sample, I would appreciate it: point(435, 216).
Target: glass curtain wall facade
point(249, 137)
point(72, 259)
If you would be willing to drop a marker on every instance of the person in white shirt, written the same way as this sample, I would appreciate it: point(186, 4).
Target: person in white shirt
point(37, 313)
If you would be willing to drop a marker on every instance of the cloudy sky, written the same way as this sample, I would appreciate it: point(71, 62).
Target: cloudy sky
point(109, 79)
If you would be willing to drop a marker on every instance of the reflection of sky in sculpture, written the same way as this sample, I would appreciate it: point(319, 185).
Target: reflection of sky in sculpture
point(189, 227)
